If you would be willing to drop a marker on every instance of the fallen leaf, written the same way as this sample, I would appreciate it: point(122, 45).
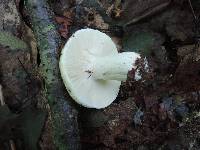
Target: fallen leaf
point(31, 122)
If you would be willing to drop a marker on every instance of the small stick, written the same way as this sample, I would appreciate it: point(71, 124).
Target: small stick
point(2, 102)
point(147, 14)
point(12, 145)
point(28, 74)
point(192, 9)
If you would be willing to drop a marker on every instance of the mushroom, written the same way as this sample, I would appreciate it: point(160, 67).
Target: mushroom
point(92, 69)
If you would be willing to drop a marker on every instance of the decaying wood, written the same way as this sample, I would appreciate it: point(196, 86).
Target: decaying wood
point(64, 114)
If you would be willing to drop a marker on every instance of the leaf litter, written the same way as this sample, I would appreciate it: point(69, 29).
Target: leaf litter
point(160, 111)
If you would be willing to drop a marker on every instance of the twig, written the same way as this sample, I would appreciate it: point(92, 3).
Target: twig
point(12, 145)
point(2, 102)
point(192, 9)
point(148, 13)
point(28, 74)
point(197, 41)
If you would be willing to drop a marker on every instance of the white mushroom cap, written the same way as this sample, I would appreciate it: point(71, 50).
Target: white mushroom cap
point(77, 59)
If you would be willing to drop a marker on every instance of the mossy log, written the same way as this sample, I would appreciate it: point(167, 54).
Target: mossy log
point(64, 114)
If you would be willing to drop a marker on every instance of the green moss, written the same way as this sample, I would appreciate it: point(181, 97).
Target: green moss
point(48, 28)
point(58, 132)
point(48, 42)
point(7, 39)
point(20, 74)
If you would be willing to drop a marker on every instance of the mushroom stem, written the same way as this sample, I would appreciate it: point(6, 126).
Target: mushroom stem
point(114, 67)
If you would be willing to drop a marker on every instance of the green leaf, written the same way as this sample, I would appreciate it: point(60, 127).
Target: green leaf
point(7, 121)
point(142, 41)
point(5, 114)
point(7, 39)
point(32, 122)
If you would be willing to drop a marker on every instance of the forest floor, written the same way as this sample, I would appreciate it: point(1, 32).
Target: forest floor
point(161, 111)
